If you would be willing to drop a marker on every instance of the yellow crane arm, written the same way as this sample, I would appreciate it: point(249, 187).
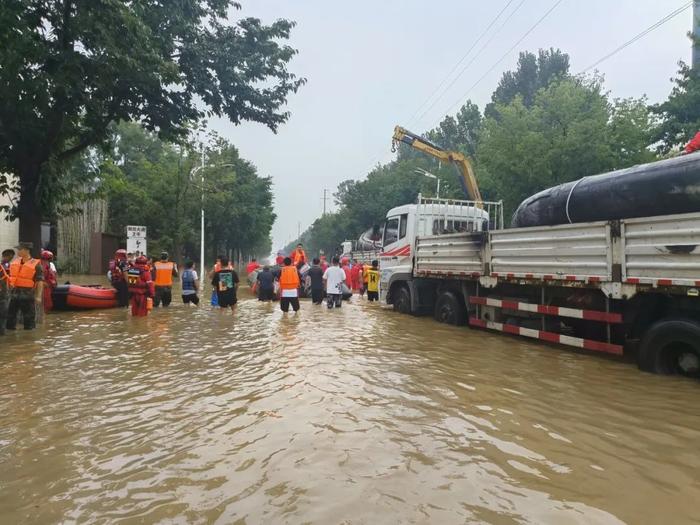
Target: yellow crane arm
point(464, 166)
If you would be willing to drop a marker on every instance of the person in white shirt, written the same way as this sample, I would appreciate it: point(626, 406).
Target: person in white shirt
point(334, 278)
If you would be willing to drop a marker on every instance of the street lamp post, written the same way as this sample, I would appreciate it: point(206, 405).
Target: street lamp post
point(430, 176)
point(201, 240)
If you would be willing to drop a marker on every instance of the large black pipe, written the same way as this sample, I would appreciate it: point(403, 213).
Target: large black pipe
point(660, 188)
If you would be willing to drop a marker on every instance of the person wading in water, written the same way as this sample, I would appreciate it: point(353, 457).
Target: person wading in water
point(289, 286)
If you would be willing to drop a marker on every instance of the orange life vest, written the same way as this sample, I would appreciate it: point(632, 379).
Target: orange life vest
point(289, 278)
point(164, 273)
point(298, 256)
point(22, 275)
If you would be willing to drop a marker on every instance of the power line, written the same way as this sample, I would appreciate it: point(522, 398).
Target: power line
point(648, 30)
point(505, 55)
point(491, 24)
point(454, 68)
point(472, 60)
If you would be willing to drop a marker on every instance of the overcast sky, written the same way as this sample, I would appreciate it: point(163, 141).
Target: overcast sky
point(372, 64)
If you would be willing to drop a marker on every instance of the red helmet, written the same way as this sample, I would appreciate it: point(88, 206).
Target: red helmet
point(141, 259)
point(46, 255)
point(120, 254)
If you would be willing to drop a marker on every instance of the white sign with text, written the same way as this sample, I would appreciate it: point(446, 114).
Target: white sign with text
point(136, 242)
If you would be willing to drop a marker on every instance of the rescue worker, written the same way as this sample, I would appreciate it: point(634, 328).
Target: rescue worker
point(356, 276)
point(50, 280)
point(140, 283)
point(7, 256)
point(117, 276)
point(164, 271)
point(298, 256)
point(252, 266)
point(27, 285)
point(289, 286)
point(345, 266)
point(693, 145)
point(365, 278)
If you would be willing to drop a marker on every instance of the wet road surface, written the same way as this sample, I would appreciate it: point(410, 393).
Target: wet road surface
point(352, 416)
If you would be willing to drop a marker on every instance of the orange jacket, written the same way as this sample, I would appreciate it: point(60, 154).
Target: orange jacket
point(298, 256)
point(22, 275)
point(164, 273)
point(289, 278)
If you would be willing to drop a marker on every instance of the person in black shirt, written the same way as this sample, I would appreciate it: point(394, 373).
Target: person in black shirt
point(225, 282)
point(266, 284)
point(316, 276)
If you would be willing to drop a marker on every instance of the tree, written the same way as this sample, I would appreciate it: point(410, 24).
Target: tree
point(148, 181)
point(571, 130)
point(70, 68)
point(532, 74)
point(680, 114)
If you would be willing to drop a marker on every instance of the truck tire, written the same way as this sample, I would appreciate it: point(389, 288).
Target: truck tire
point(402, 300)
point(671, 346)
point(450, 309)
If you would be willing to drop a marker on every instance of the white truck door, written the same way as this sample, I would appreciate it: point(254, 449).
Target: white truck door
point(396, 250)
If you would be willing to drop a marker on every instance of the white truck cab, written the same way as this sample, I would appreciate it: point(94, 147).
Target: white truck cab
point(428, 217)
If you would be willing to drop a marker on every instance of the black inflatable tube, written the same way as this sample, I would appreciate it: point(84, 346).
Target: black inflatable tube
point(665, 187)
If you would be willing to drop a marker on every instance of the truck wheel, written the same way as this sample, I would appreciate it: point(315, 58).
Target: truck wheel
point(671, 346)
point(402, 300)
point(449, 309)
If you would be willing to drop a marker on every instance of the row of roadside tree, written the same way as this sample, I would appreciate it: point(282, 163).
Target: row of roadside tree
point(543, 126)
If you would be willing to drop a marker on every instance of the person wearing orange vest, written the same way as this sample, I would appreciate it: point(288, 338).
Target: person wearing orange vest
point(7, 256)
point(163, 273)
point(299, 256)
point(26, 283)
point(289, 286)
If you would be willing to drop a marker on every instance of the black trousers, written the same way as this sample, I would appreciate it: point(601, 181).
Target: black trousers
point(266, 295)
point(27, 306)
point(163, 294)
point(317, 296)
point(122, 289)
point(4, 303)
point(286, 301)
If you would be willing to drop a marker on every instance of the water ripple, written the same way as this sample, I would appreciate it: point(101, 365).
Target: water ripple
point(351, 416)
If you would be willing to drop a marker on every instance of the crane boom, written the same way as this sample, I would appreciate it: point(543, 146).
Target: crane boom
point(467, 178)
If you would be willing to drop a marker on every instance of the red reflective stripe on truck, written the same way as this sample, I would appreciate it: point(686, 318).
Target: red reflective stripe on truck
point(588, 344)
point(664, 282)
point(575, 313)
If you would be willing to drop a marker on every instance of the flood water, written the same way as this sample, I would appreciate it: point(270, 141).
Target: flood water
point(351, 416)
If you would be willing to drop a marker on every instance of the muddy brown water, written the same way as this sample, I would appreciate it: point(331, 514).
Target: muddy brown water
point(351, 416)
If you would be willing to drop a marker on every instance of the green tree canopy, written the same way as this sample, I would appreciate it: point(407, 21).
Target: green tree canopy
point(680, 114)
point(149, 181)
point(533, 73)
point(570, 131)
point(70, 68)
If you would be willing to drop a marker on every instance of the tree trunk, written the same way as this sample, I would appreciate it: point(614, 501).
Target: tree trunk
point(29, 220)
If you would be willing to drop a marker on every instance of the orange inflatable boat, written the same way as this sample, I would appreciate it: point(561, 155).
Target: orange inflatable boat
point(83, 297)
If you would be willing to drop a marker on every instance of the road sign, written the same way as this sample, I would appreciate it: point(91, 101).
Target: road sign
point(136, 240)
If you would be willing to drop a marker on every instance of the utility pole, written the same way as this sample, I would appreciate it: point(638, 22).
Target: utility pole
point(201, 242)
point(325, 198)
point(298, 230)
point(696, 35)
